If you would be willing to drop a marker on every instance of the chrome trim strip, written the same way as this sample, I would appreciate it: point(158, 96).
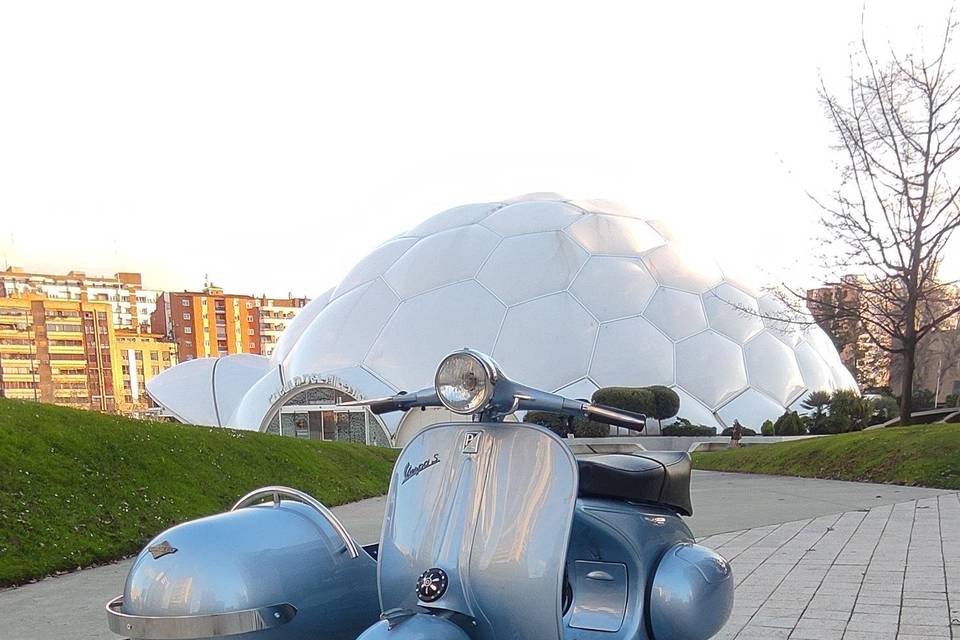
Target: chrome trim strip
point(275, 492)
point(192, 627)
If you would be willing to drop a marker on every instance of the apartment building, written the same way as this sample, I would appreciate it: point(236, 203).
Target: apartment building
point(130, 303)
point(142, 356)
point(58, 351)
point(275, 314)
point(208, 323)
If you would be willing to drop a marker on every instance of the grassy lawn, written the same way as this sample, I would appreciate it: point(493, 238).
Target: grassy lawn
point(923, 455)
point(79, 488)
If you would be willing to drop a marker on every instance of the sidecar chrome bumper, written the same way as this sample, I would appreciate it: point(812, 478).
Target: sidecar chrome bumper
point(201, 626)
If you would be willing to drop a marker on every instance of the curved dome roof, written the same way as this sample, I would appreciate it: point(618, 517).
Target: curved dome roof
point(567, 296)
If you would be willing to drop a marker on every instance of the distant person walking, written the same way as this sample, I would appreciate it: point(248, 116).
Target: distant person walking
point(736, 434)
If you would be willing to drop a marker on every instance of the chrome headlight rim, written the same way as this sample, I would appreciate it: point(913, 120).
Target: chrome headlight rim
point(489, 368)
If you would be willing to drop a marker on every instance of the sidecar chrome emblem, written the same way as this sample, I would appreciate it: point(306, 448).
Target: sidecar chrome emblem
point(411, 471)
point(471, 442)
point(162, 549)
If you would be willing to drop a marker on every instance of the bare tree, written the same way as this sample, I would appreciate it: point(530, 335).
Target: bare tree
point(896, 206)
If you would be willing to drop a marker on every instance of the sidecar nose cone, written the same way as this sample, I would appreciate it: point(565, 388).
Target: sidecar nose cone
point(277, 570)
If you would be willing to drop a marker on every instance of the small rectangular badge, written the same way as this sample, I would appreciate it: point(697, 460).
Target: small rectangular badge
point(471, 442)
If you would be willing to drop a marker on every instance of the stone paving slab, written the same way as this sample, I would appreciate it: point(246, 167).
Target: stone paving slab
point(888, 572)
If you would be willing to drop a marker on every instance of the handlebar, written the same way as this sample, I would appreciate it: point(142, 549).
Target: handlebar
point(615, 417)
point(522, 398)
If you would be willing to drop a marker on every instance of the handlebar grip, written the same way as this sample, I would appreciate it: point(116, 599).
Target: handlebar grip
point(616, 417)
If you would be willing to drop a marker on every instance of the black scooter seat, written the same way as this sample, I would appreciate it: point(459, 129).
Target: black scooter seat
point(655, 477)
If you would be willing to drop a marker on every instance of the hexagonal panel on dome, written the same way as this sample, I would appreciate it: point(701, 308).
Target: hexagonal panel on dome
point(693, 410)
point(816, 374)
point(710, 367)
point(579, 390)
point(733, 313)
point(609, 235)
point(374, 264)
point(783, 322)
point(772, 367)
point(632, 352)
point(343, 332)
point(599, 205)
point(681, 268)
point(255, 404)
point(546, 342)
point(843, 379)
point(455, 217)
point(443, 258)
point(288, 339)
point(511, 257)
point(613, 288)
point(751, 408)
point(531, 217)
point(428, 327)
point(677, 313)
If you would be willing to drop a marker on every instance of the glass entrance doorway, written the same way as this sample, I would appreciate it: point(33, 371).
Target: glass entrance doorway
point(316, 413)
point(325, 422)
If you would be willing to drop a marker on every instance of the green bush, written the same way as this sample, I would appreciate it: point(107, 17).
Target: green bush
point(953, 400)
point(688, 430)
point(819, 403)
point(788, 424)
point(683, 427)
point(666, 403)
point(744, 431)
point(767, 428)
point(848, 412)
point(923, 399)
point(884, 408)
point(635, 399)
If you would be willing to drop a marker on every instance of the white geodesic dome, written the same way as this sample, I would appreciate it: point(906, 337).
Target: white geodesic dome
point(566, 296)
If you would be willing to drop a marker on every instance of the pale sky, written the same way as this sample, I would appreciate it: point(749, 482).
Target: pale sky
point(272, 145)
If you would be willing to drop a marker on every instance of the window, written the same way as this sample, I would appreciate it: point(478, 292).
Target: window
point(252, 344)
point(249, 318)
point(186, 316)
point(250, 332)
point(249, 304)
point(185, 302)
point(188, 329)
point(154, 355)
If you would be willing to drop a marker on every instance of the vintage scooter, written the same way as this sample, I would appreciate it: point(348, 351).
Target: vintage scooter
point(493, 531)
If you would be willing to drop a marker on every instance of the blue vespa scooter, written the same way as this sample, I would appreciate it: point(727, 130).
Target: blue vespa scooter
point(494, 531)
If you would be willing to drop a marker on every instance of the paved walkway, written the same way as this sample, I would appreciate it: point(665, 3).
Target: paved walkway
point(890, 572)
point(765, 555)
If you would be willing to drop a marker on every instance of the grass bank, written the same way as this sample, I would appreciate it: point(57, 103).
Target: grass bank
point(79, 488)
point(922, 455)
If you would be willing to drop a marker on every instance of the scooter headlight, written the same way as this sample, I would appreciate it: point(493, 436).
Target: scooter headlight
point(465, 381)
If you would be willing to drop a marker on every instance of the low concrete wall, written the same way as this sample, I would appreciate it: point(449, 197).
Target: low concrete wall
point(629, 444)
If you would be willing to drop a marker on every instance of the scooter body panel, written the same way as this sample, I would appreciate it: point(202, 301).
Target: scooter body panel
point(614, 550)
point(492, 506)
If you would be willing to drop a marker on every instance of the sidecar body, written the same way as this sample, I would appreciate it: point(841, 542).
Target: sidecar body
point(283, 570)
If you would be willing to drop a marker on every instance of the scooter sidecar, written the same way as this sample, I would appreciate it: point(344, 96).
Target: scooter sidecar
point(285, 570)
